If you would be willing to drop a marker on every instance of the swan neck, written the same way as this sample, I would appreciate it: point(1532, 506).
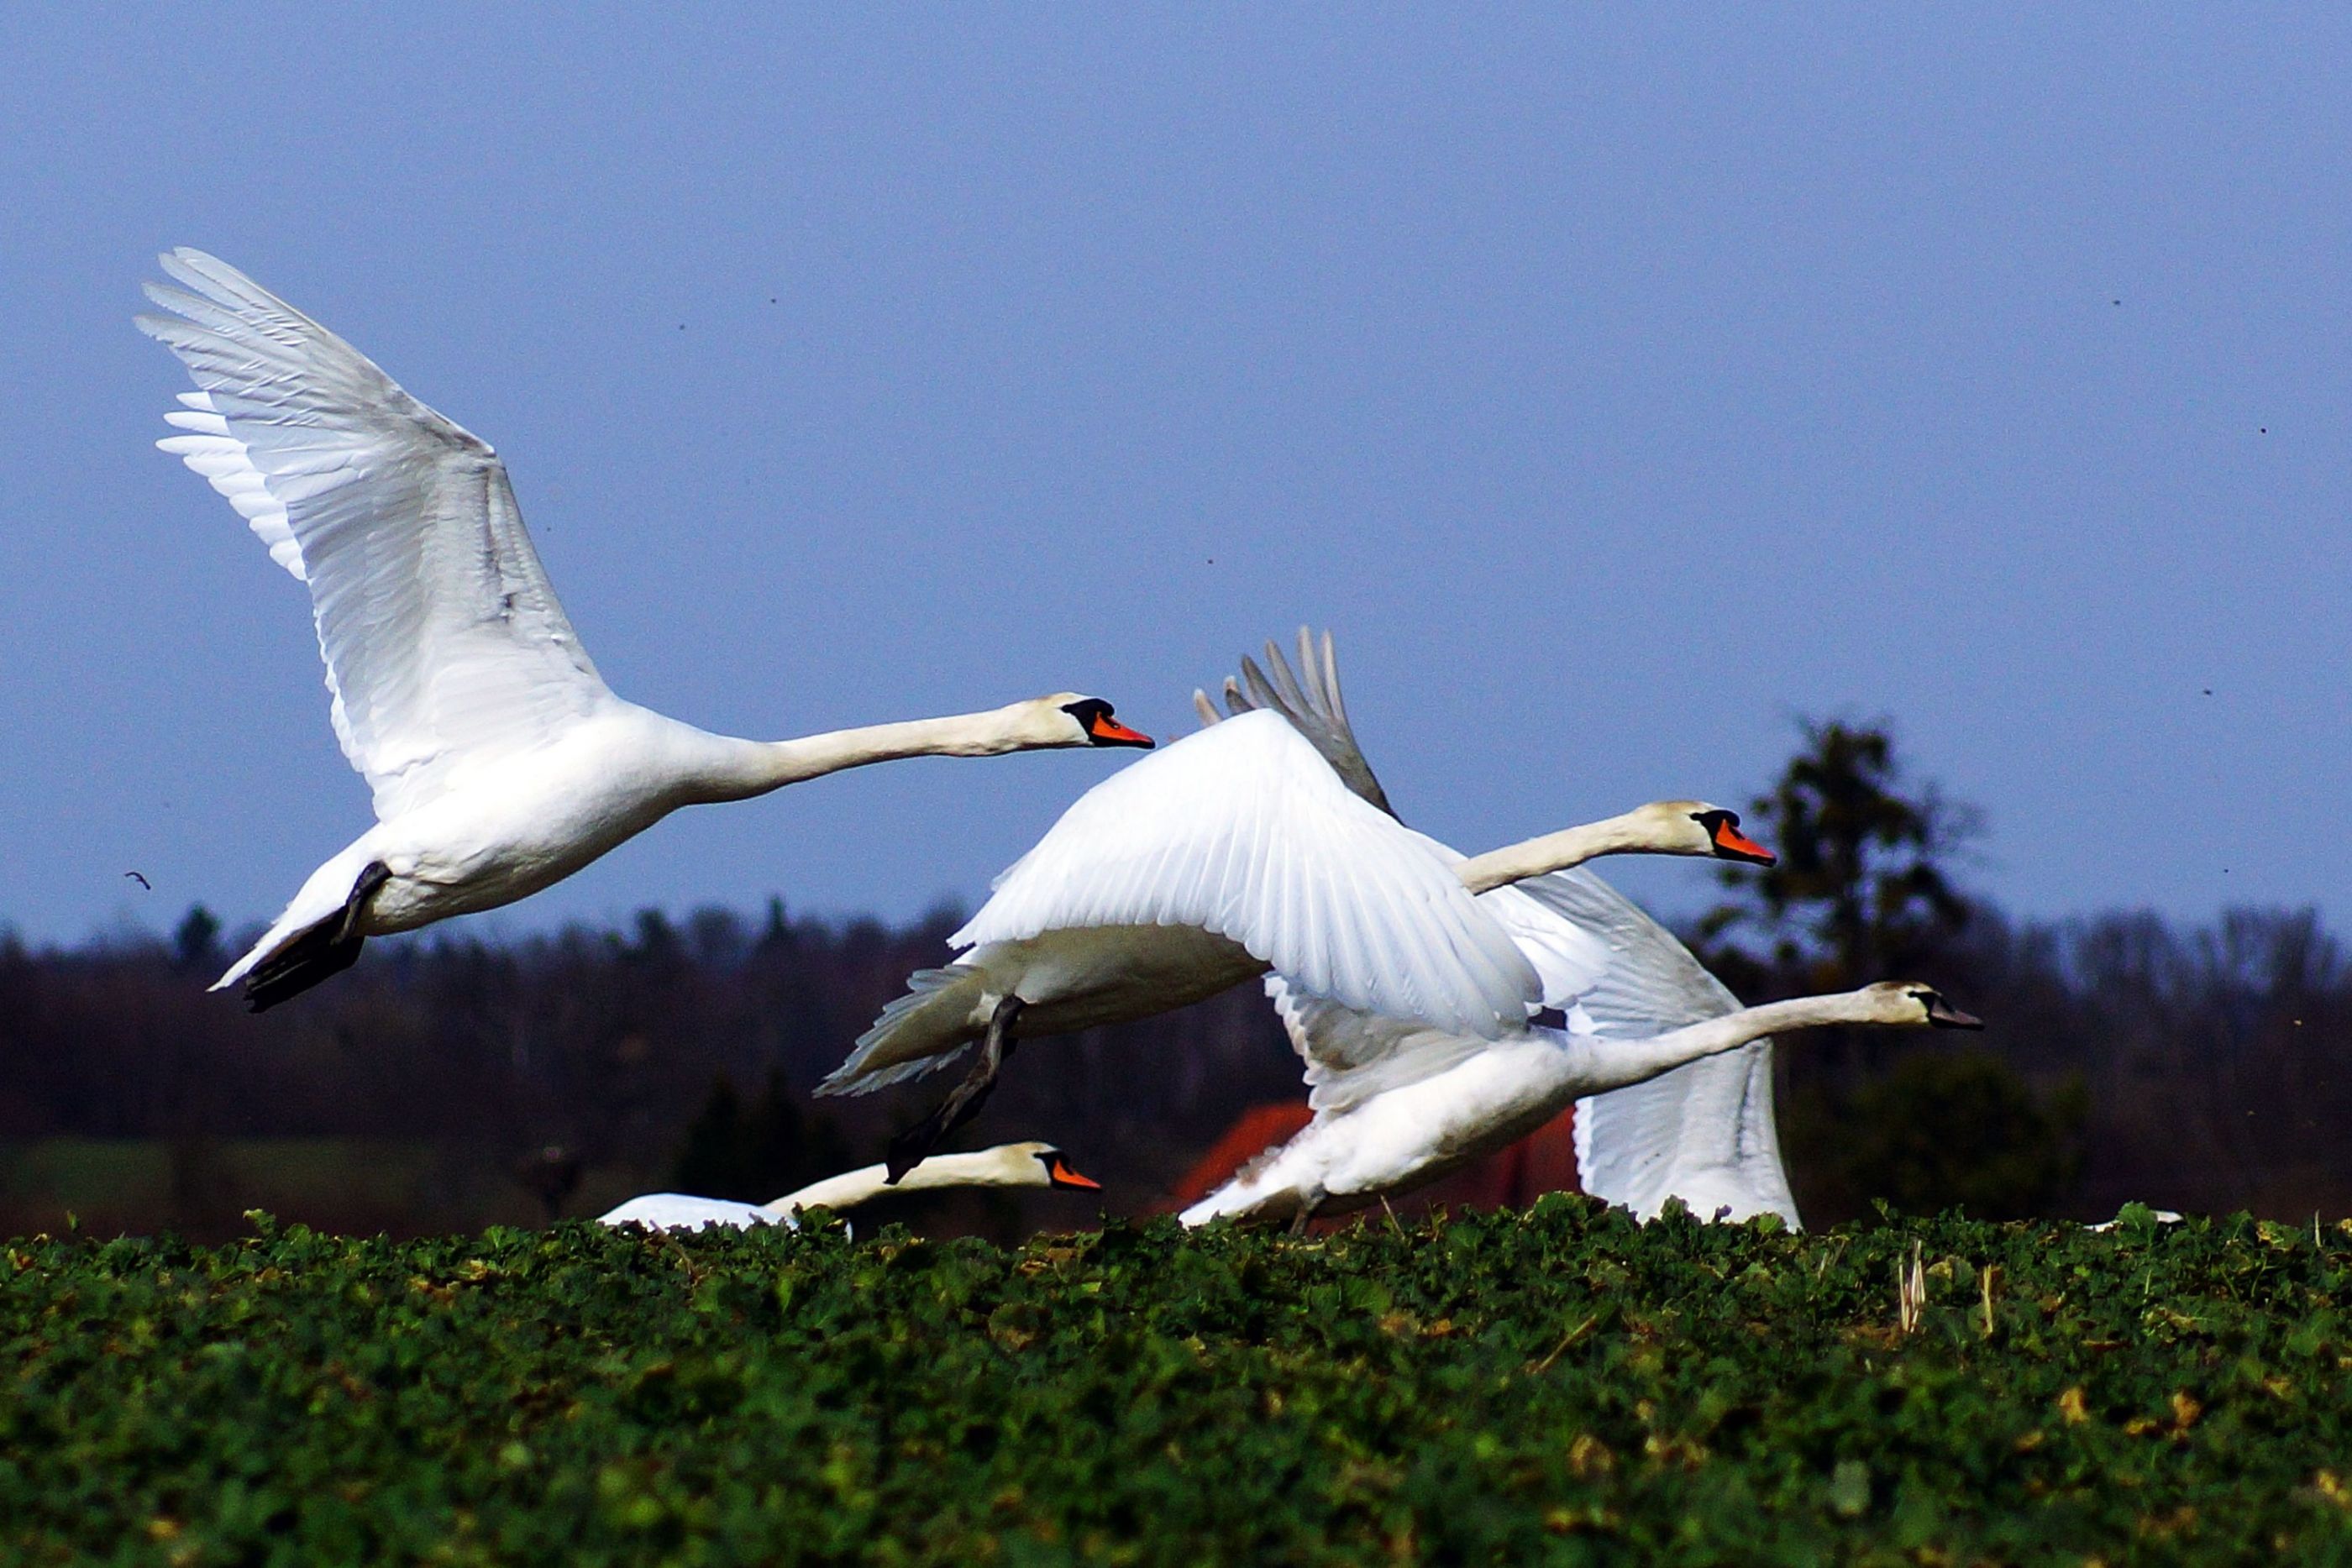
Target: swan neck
point(1554, 852)
point(852, 1187)
point(1626, 1062)
point(749, 768)
point(844, 1191)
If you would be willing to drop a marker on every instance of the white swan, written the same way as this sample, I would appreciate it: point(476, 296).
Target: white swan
point(1704, 1132)
point(1006, 1165)
point(499, 761)
point(1235, 851)
point(1371, 1139)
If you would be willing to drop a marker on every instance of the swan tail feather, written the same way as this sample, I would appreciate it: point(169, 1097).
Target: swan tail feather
point(1265, 1188)
point(921, 1032)
point(304, 948)
point(317, 953)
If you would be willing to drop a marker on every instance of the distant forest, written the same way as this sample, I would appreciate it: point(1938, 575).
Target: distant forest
point(2194, 1069)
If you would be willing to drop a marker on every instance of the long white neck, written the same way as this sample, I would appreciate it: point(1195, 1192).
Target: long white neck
point(1615, 1064)
point(985, 1168)
point(739, 769)
point(1630, 833)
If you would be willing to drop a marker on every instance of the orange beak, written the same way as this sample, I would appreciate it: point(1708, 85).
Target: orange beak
point(1732, 842)
point(1107, 728)
point(1061, 1175)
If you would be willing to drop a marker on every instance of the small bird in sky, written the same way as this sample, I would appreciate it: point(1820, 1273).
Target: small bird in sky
point(140, 880)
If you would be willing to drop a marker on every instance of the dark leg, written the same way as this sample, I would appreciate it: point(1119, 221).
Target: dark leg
point(910, 1148)
point(318, 952)
point(1305, 1214)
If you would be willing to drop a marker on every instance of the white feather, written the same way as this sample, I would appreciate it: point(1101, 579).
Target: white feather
point(683, 1212)
point(444, 642)
point(499, 760)
point(1244, 831)
point(1703, 1131)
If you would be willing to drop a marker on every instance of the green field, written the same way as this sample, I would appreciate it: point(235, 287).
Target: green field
point(1558, 1385)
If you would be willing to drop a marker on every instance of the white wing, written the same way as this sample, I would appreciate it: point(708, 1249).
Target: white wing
point(1704, 1132)
point(1352, 1055)
point(444, 642)
point(1705, 1129)
point(1312, 704)
point(1244, 831)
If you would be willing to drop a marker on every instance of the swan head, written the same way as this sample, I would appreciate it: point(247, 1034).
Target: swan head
point(1908, 1004)
point(1697, 828)
point(1071, 718)
point(1030, 1164)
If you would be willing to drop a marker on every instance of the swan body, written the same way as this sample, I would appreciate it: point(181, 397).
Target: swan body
point(498, 759)
point(1006, 1165)
point(1074, 979)
point(1704, 1132)
point(683, 1211)
point(1234, 851)
point(1361, 1147)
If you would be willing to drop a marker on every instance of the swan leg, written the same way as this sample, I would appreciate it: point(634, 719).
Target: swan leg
point(1308, 1205)
point(318, 952)
point(910, 1148)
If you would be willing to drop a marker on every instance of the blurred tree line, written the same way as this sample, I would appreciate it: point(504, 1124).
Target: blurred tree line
point(2127, 1059)
point(2124, 1059)
point(574, 1069)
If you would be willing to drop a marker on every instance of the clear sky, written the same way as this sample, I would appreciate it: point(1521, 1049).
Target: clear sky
point(1617, 383)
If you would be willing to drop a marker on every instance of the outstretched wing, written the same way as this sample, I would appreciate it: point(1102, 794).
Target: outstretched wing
point(444, 642)
point(1704, 1132)
point(1352, 1055)
point(1244, 831)
point(1705, 1129)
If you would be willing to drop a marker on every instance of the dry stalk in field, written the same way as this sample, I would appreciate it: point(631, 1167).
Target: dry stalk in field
point(1910, 1292)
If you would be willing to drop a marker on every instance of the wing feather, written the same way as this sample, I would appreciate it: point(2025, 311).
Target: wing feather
point(444, 642)
point(1352, 1055)
point(1312, 705)
point(1706, 1128)
point(1706, 1131)
point(1309, 879)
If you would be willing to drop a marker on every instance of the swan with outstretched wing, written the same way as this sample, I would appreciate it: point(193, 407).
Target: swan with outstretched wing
point(1236, 851)
point(499, 760)
point(1703, 1132)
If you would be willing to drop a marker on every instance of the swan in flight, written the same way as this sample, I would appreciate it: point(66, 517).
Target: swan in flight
point(1704, 1132)
point(1006, 1165)
point(1235, 851)
point(498, 759)
point(1398, 1104)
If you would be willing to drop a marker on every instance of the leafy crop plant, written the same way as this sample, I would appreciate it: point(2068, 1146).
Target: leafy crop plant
point(1558, 1385)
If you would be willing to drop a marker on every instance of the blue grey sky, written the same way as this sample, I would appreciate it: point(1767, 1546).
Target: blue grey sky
point(1618, 383)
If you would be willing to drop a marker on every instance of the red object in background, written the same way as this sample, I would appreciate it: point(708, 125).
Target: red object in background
point(1544, 1161)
